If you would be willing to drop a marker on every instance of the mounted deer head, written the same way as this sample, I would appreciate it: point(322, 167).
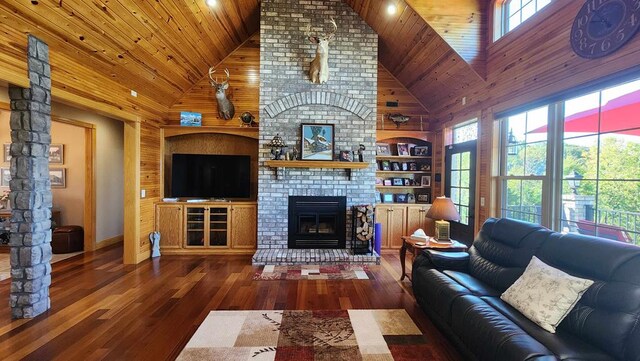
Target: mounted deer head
point(319, 69)
point(226, 110)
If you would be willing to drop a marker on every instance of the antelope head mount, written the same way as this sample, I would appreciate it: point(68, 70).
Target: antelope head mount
point(226, 110)
point(319, 69)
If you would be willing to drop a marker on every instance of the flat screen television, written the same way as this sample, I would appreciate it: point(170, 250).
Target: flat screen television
point(211, 176)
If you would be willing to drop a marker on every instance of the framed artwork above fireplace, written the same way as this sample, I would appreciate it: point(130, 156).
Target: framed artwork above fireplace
point(317, 141)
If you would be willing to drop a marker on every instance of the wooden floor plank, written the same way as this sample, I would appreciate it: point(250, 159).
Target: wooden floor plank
point(103, 310)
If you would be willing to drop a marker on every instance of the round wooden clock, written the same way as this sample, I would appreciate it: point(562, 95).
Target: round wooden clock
point(604, 26)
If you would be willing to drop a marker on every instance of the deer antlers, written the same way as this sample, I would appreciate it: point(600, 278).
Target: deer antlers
point(214, 82)
point(327, 36)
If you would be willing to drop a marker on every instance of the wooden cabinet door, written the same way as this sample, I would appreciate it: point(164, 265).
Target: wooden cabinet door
point(195, 231)
point(169, 224)
point(398, 226)
point(417, 218)
point(383, 214)
point(244, 226)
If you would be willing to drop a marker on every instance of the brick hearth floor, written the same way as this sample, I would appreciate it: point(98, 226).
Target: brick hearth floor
point(289, 257)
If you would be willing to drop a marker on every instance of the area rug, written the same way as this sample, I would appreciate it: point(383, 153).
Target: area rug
point(5, 263)
point(313, 272)
point(369, 335)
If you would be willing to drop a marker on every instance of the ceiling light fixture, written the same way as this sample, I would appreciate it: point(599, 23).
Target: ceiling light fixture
point(212, 2)
point(392, 9)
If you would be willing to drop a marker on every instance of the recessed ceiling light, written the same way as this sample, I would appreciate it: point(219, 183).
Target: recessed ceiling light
point(212, 2)
point(391, 9)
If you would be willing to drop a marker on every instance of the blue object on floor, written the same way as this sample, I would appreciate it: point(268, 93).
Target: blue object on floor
point(378, 238)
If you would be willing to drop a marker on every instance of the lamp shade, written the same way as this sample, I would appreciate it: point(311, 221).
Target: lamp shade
point(443, 208)
point(276, 142)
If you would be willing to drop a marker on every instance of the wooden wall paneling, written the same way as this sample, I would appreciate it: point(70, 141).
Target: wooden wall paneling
point(149, 181)
point(390, 89)
point(532, 63)
point(244, 88)
point(132, 219)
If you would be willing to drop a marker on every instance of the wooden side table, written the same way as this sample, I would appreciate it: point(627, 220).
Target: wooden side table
point(409, 243)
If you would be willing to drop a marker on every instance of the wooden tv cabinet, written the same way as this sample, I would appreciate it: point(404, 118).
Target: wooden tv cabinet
point(207, 227)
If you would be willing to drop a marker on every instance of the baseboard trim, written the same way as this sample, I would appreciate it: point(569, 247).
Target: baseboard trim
point(109, 241)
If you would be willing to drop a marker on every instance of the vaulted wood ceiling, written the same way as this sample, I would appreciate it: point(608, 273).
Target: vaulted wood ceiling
point(417, 55)
point(159, 48)
point(162, 48)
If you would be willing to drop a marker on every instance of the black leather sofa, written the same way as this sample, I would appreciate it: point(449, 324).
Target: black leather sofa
point(461, 294)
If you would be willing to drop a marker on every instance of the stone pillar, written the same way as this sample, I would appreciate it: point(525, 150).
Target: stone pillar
point(30, 195)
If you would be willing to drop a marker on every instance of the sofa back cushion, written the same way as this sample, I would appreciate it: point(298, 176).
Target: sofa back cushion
point(608, 314)
point(503, 249)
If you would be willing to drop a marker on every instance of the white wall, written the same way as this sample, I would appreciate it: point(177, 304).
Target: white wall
point(109, 167)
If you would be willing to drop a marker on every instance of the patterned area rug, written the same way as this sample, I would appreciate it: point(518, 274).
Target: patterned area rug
point(368, 335)
point(314, 272)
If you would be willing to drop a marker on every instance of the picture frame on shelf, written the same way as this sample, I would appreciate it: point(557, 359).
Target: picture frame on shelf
point(425, 167)
point(317, 141)
point(56, 154)
point(5, 177)
point(403, 149)
point(425, 181)
point(413, 166)
point(385, 165)
point(405, 167)
point(6, 153)
point(423, 197)
point(383, 149)
point(387, 198)
point(379, 181)
point(58, 177)
point(400, 198)
point(387, 182)
point(411, 198)
point(407, 182)
point(422, 150)
point(345, 156)
point(395, 166)
point(398, 182)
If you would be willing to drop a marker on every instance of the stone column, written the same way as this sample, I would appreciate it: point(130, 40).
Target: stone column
point(30, 195)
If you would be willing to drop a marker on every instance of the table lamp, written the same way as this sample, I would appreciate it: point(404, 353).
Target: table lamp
point(276, 144)
point(443, 210)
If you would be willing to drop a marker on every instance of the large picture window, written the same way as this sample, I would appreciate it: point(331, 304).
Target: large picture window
point(597, 179)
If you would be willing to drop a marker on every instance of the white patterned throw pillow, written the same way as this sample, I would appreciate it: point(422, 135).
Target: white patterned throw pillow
point(544, 294)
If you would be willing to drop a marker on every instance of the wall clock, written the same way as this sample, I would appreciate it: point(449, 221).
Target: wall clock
point(604, 26)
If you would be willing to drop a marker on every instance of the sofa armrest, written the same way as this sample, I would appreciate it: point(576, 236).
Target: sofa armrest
point(455, 261)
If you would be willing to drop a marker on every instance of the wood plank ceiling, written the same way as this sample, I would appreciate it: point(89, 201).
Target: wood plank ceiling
point(417, 55)
point(158, 48)
point(162, 48)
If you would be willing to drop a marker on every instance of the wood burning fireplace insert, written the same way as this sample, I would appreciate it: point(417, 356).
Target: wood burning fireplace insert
point(317, 222)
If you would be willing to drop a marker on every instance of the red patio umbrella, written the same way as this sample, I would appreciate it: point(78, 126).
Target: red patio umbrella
point(620, 115)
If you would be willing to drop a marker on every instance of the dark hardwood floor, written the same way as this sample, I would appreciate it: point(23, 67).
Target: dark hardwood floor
point(104, 310)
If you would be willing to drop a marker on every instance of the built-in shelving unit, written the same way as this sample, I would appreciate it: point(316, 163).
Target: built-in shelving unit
point(399, 178)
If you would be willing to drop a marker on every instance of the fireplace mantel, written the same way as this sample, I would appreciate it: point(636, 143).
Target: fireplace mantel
point(315, 164)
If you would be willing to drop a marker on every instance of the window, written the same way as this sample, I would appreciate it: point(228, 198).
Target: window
point(525, 168)
point(512, 13)
point(597, 183)
point(465, 132)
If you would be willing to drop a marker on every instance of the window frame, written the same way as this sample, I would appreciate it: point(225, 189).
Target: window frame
point(501, 14)
point(552, 197)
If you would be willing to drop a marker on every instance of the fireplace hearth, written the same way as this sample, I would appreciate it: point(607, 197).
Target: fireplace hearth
point(317, 222)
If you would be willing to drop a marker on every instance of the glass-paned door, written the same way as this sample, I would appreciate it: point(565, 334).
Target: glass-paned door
point(218, 226)
point(460, 185)
point(195, 226)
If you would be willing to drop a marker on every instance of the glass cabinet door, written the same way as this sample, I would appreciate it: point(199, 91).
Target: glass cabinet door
point(218, 226)
point(195, 226)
